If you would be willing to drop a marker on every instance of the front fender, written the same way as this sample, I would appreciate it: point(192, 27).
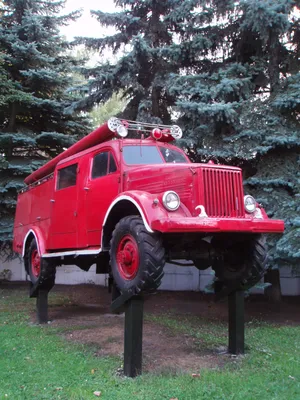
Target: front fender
point(149, 206)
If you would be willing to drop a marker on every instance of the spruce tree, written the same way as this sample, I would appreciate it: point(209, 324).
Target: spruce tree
point(36, 121)
point(276, 181)
point(243, 108)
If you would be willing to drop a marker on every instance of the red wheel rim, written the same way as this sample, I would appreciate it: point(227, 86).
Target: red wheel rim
point(128, 257)
point(35, 263)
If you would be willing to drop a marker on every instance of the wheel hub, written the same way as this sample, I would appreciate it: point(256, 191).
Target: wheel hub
point(128, 257)
point(35, 263)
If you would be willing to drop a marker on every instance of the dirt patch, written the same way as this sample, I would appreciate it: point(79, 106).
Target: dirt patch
point(162, 349)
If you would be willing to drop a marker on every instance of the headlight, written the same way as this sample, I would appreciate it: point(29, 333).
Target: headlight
point(250, 204)
point(171, 200)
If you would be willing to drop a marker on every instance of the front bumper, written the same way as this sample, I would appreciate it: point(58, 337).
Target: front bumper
point(196, 224)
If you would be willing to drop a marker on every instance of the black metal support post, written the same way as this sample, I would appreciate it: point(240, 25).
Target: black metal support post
point(236, 314)
point(42, 306)
point(110, 284)
point(133, 305)
point(133, 336)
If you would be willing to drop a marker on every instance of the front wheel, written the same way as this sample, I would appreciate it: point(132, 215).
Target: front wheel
point(241, 263)
point(137, 256)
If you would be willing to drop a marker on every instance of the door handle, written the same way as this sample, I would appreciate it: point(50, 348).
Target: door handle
point(86, 188)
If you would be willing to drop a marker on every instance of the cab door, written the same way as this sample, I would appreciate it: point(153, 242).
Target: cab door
point(63, 227)
point(102, 186)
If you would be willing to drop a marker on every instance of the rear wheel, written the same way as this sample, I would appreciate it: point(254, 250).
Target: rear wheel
point(137, 257)
point(241, 264)
point(33, 262)
point(39, 269)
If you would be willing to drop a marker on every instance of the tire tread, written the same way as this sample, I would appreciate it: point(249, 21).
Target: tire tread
point(154, 254)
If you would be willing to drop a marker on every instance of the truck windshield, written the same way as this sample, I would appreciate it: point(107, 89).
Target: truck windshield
point(150, 155)
point(141, 155)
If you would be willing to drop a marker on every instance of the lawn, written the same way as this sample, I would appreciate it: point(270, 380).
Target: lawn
point(37, 362)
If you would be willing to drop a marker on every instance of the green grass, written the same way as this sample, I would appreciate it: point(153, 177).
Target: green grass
point(37, 363)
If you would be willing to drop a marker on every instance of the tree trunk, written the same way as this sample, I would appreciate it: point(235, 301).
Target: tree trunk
point(274, 69)
point(273, 292)
point(12, 120)
point(155, 96)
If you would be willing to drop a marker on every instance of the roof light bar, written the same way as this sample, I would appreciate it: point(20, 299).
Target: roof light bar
point(157, 131)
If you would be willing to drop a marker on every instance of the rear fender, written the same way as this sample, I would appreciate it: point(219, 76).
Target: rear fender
point(35, 233)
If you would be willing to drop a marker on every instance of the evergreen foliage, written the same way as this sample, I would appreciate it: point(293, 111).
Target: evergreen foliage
point(36, 121)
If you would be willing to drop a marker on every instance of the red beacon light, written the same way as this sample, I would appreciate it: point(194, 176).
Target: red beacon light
point(167, 135)
point(156, 134)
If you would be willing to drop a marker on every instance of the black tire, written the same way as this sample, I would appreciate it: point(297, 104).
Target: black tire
point(45, 274)
point(242, 264)
point(137, 257)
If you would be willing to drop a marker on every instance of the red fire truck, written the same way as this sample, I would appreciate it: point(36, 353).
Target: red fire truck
point(130, 205)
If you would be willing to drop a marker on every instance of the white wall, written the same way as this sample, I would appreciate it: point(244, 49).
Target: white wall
point(176, 278)
point(290, 283)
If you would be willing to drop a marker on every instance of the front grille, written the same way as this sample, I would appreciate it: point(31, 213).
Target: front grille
point(223, 193)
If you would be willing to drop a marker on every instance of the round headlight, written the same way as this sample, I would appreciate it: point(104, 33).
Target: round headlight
point(171, 200)
point(250, 204)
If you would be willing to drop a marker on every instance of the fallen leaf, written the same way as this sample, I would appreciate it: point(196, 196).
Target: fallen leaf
point(196, 375)
point(92, 371)
point(98, 394)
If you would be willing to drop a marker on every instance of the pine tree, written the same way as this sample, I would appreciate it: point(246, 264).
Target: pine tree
point(241, 106)
point(36, 121)
point(276, 181)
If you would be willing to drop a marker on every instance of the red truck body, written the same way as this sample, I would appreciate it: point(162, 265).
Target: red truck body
point(71, 206)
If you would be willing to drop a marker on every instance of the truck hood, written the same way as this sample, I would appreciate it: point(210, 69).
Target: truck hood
point(160, 178)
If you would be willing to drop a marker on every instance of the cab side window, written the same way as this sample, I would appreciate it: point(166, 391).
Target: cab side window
point(103, 164)
point(67, 177)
